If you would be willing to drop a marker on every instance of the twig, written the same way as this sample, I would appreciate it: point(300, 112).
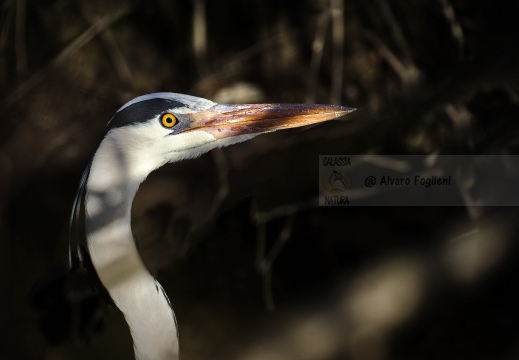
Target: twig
point(225, 68)
point(283, 237)
point(456, 29)
point(471, 205)
point(265, 261)
point(284, 210)
point(407, 73)
point(222, 167)
point(337, 11)
point(460, 115)
point(266, 278)
point(261, 249)
point(109, 41)
point(406, 68)
point(64, 55)
point(265, 266)
point(200, 36)
point(317, 55)
point(396, 32)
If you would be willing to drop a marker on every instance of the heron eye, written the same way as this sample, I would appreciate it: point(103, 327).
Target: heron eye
point(168, 120)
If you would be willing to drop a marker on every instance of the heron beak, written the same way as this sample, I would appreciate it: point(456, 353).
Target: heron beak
point(223, 120)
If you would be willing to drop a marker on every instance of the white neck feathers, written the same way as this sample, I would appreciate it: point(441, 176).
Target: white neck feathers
point(112, 185)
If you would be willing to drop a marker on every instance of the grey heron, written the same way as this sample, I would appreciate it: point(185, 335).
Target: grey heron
point(144, 134)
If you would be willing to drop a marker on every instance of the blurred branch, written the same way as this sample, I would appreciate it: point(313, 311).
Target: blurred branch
point(407, 73)
point(265, 266)
point(396, 32)
point(283, 237)
point(228, 67)
point(317, 55)
point(99, 26)
point(337, 11)
point(5, 23)
point(405, 68)
point(284, 210)
point(200, 36)
point(109, 41)
point(456, 29)
point(261, 248)
point(265, 261)
point(461, 118)
point(266, 278)
point(222, 167)
point(20, 44)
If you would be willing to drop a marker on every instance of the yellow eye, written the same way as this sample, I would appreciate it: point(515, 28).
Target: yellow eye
point(168, 120)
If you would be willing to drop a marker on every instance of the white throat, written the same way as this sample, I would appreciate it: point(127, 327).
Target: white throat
point(111, 187)
point(123, 161)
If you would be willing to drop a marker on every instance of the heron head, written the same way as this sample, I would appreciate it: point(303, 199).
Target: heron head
point(154, 129)
point(168, 127)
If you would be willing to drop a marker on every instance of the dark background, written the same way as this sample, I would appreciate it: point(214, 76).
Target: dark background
point(253, 267)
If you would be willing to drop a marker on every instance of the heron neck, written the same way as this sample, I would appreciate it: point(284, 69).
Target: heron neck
point(109, 195)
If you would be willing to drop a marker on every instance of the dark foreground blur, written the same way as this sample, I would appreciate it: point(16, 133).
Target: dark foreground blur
point(254, 268)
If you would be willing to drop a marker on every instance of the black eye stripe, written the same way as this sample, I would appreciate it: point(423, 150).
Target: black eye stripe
point(142, 111)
